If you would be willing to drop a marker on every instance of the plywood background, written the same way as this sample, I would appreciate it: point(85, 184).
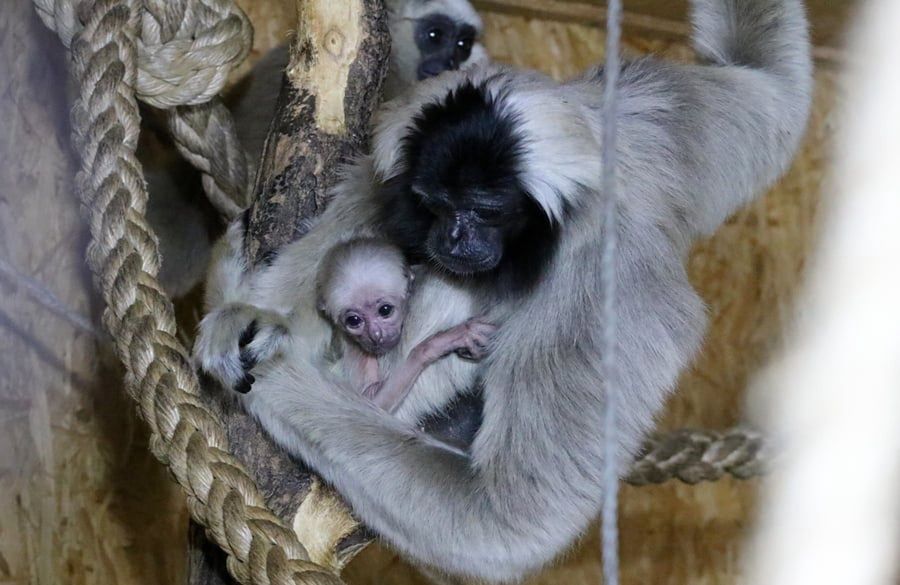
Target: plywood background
point(81, 500)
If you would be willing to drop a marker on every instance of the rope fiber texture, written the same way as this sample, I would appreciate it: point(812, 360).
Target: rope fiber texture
point(205, 136)
point(185, 51)
point(124, 258)
point(694, 456)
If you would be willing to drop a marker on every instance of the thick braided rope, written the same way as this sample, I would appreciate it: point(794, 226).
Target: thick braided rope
point(186, 48)
point(205, 136)
point(693, 456)
point(124, 258)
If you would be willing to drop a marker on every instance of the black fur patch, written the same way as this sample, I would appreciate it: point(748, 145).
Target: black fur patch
point(245, 221)
point(248, 361)
point(248, 334)
point(246, 384)
point(464, 142)
point(462, 145)
point(459, 422)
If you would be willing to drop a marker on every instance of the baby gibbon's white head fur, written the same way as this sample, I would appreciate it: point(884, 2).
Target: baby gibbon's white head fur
point(362, 286)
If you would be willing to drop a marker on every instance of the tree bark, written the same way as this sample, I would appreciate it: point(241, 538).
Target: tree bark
point(331, 87)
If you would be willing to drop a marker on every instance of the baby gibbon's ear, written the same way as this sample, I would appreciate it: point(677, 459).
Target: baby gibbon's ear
point(320, 306)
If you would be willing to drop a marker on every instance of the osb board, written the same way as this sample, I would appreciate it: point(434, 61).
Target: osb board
point(82, 501)
point(827, 18)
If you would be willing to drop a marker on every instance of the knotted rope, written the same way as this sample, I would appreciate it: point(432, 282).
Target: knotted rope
point(124, 258)
point(185, 50)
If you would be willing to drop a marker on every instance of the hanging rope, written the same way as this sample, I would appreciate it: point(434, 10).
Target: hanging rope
point(124, 258)
point(185, 51)
point(608, 366)
point(206, 137)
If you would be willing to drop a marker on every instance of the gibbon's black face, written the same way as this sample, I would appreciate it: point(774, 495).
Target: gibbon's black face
point(443, 44)
point(460, 204)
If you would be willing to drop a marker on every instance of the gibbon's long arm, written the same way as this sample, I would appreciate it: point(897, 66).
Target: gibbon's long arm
point(471, 337)
point(733, 125)
point(695, 143)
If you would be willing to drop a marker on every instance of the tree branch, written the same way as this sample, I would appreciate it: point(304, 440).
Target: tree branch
point(331, 87)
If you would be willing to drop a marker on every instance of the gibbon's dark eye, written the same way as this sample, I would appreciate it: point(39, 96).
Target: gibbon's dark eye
point(353, 321)
point(386, 310)
point(435, 35)
point(465, 44)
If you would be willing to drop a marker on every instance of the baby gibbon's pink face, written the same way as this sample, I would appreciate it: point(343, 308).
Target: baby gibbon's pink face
point(374, 319)
point(364, 287)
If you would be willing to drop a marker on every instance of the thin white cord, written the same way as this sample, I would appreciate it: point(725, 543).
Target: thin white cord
point(609, 514)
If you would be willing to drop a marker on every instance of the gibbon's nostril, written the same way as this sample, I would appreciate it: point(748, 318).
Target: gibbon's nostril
point(459, 250)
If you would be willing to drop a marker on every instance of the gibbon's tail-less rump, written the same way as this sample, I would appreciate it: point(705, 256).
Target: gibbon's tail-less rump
point(695, 143)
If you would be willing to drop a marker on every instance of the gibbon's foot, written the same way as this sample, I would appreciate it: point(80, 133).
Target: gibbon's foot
point(235, 339)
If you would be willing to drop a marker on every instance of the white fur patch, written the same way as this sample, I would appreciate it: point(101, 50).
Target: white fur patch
point(363, 268)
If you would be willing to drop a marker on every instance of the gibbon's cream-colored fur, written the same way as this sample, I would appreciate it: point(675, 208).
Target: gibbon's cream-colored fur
point(696, 142)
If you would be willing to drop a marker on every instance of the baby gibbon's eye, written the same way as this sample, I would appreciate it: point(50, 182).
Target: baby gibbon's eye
point(386, 310)
point(353, 321)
